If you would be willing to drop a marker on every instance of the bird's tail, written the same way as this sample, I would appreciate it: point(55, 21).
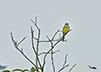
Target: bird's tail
point(63, 37)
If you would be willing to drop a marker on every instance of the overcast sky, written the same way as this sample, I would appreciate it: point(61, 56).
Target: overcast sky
point(83, 42)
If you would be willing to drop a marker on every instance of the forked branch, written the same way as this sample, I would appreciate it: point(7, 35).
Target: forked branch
point(64, 64)
point(16, 46)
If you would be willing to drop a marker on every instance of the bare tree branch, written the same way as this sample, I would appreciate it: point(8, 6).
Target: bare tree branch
point(65, 60)
point(21, 41)
point(35, 38)
point(44, 60)
point(72, 67)
point(32, 40)
point(49, 53)
point(35, 23)
point(32, 36)
point(63, 67)
point(55, 35)
point(49, 41)
point(16, 46)
point(52, 59)
point(53, 43)
point(64, 64)
point(37, 47)
point(52, 38)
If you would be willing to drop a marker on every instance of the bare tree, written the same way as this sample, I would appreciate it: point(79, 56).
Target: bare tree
point(38, 65)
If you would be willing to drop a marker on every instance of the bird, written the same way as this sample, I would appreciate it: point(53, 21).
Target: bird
point(92, 67)
point(66, 29)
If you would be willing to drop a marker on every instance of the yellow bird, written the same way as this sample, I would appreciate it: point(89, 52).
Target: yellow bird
point(66, 29)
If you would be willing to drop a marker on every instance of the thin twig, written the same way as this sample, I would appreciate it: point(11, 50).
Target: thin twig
point(44, 60)
point(32, 36)
point(35, 23)
point(52, 38)
point(55, 35)
point(49, 53)
point(63, 67)
point(37, 47)
point(72, 67)
point(21, 41)
point(49, 41)
point(52, 59)
point(32, 40)
point(65, 60)
point(35, 38)
point(64, 64)
point(16, 46)
point(36, 53)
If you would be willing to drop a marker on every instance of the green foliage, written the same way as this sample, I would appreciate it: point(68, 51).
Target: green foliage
point(20, 70)
point(34, 69)
point(17, 70)
point(25, 70)
point(6, 71)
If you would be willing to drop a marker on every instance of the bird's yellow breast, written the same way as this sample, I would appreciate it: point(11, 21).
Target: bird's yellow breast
point(66, 29)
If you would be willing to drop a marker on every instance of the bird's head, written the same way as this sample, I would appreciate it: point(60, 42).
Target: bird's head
point(66, 23)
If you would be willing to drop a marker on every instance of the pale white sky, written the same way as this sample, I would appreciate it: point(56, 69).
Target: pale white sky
point(84, 40)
